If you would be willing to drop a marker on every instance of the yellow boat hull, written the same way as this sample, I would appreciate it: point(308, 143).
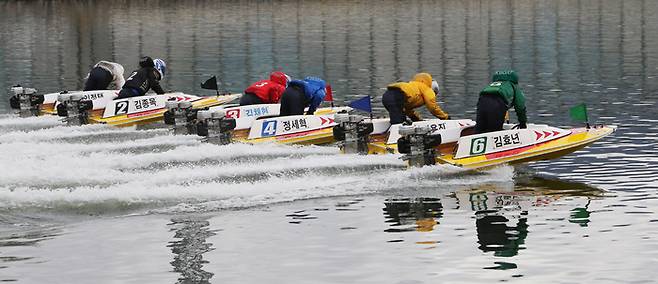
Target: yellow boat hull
point(311, 137)
point(578, 139)
point(48, 109)
point(314, 137)
point(154, 115)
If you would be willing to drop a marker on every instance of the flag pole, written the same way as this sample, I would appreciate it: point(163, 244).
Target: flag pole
point(216, 87)
point(586, 118)
point(370, 101)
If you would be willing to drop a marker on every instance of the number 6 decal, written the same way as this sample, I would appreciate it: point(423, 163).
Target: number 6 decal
point(121, 107)
point(478, 145)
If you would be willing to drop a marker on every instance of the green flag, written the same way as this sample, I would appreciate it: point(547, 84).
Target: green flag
point(579, 113)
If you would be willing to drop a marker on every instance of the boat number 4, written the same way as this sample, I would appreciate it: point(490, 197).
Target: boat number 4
point(121, 107)
point(478, 145)
point(269, 128)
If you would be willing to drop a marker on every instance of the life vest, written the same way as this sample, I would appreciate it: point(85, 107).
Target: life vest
point(268, 91)
point(418, 92)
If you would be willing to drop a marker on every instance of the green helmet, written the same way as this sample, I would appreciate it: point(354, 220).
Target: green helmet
point(506, 75)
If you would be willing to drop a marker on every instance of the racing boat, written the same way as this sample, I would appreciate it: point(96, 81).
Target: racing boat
point(454, 142)
point(508, 146)
point(82, 107)
point(130, 111)
point(256, 124)
point(515, 146)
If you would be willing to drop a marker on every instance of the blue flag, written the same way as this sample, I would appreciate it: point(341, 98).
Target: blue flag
point(362, 104)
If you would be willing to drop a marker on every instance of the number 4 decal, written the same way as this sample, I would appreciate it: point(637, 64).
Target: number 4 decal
point(478, 145)
point(269, 128)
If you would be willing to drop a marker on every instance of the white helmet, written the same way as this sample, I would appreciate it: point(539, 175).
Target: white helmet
point(161, 66)
point(435, 86)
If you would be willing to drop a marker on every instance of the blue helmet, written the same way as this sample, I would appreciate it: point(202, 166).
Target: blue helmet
point(161, 66)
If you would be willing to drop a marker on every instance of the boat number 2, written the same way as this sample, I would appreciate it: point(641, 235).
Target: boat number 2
point(269, 128)
point(121, 108)
point(478, 145)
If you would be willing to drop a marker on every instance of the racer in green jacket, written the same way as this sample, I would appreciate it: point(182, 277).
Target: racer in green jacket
point(495, 99)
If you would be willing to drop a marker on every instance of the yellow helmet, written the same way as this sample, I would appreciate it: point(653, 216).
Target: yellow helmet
point(424, 78)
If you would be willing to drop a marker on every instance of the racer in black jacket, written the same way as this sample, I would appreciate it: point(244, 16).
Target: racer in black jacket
point(147, 77)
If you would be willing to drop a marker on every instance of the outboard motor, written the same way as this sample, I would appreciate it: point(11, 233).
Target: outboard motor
point(417, 143)
point(74, 108)
point(215, 126)
point(352, 133)
point(26, 101)
point(181, 116)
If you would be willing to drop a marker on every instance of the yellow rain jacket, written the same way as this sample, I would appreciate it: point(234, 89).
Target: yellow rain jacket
point(419, 92)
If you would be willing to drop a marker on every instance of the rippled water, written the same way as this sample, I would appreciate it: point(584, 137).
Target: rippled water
point(101, 204)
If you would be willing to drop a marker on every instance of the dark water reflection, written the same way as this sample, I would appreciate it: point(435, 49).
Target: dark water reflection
point(495, 235)
point(501, 214)
point(417, 214)
point(191, 234)
point(502, 217)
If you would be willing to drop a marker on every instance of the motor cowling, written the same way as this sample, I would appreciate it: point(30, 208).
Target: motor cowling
point(26, 101)
point(215, 126)
point(418, 145)
point(169, 114)
point(75, 108)
point(181, 116)
point(339, 133)
point(352, 133)
point(201, 127)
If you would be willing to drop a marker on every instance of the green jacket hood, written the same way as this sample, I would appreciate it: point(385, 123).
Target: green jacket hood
point(505, 75)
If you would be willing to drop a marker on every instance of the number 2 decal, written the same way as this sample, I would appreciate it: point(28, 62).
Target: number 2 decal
point(131, 76)
point(269, 128)
point(121, 108)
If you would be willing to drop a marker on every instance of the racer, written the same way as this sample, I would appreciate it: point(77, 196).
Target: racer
point(103, 75)
point(265, 91)
point(400, 99)
point(495, 99)
point(147, 77)
point(300, 94)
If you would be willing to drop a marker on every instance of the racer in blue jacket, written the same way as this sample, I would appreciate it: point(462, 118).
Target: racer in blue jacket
point(300, 94)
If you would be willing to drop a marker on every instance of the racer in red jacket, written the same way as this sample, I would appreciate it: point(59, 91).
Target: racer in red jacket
point(266, 91)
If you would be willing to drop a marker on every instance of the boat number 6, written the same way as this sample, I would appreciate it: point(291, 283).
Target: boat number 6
point(121, 108)
point(478, 145)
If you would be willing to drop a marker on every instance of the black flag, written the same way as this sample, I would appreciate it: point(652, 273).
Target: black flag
point(210, 84)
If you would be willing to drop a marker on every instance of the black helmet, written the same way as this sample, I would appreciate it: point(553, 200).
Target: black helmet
point(146, 61)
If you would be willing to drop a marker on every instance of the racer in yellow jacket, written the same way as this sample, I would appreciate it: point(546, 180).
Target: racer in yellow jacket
point(400, 99)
